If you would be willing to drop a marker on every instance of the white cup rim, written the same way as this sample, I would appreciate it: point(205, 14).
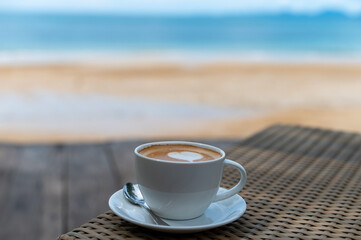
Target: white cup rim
point(201, 145)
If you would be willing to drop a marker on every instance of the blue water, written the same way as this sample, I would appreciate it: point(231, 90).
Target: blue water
point(325, 33)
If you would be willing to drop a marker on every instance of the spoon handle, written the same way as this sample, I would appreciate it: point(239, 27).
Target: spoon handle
point(155, 218)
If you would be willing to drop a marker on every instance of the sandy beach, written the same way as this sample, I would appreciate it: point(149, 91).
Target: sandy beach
point(101, 102)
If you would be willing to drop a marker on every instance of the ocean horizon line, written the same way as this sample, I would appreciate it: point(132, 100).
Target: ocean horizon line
point(235, 14)
point(181, 57)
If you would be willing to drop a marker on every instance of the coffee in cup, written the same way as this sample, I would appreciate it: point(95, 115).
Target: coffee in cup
point(179, 153)
point(179, 180)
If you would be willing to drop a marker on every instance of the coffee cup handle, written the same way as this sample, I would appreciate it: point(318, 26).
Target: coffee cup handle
point(238, 187)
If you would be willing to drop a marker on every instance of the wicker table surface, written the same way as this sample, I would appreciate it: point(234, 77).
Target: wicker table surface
point(303, 183)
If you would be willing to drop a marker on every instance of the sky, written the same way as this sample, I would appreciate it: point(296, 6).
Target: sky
point(349, 7)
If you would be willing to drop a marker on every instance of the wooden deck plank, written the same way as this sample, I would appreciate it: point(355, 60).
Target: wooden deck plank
point(89, 185)
point(8, 164)
point(53, 190)
point(122, 154)
point(23, 213)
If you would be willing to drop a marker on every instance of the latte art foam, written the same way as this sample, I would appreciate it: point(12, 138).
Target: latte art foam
point(179, 153)
point(188, 156)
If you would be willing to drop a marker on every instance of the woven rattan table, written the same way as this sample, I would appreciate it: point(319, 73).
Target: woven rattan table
point(303, 183)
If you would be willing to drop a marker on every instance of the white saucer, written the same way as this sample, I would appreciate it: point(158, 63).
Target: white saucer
point(218, 214)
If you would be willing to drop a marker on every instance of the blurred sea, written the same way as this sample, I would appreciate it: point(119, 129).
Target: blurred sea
point(328, 35)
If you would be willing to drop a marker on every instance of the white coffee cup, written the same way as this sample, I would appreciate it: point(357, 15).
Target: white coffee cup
point(183, 190)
